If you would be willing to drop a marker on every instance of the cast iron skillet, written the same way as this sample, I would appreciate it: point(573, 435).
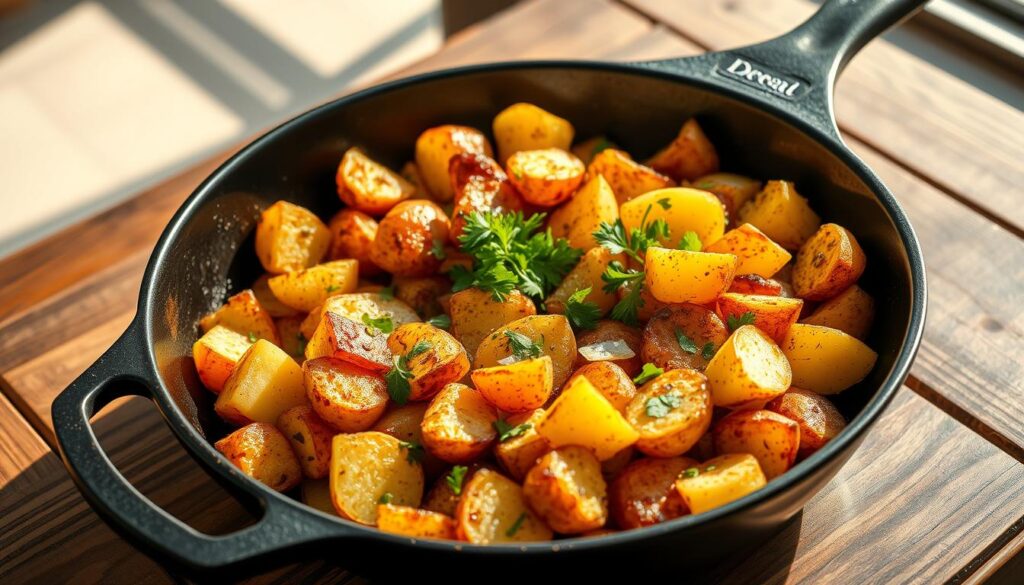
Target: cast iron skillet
point(768, 109)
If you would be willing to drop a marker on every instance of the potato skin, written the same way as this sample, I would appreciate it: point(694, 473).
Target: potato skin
point(820, 421)
point(687, 157)
point(306, 289)
point(354, 305)
point(406, 236)
point(310, 438)
point(681, 276)
point(475, 314)
point(558, 342)
point(720, 481)
point(732, 190)
point(677, 431)
point(434, 149)
point(293, 342)
point(608, 330)
point(414, 522)
point(610, 380)
point(352, 235)
point(578, 218)
point(661, 343)
point(628, 179)
point(757, 253)
point(752, 284)
point(403, 423)
point(446, 360)
point(364, 467)
point(781, 214)
point(243, 313)
point(348, 397)
point(748, 370)
point(517, 387)
point(479, 184)
point(644, 493)
point(772, 315)
point(262, 453)
point(545, 177)
point(369, 186)
point(825, 360)
point(525, 126)
point(216, 354)
point(851, 311)
point(441, 498)
point(422, 294)
point(828, 263)
point(518, 455)
point(491, 505)
point(289, 238)
point(458, 426)
point(565, 488)
point(770, 437)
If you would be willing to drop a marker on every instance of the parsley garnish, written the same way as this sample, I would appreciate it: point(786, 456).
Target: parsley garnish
point(709, 468)
point(616, 276)
point(386, 498)
point(708, 351)
point(614, 238)
point(648, 373)
point(414, 451)
point(399, 375)
point(688, 345)
point(437, 251)
point(507, 431)
point(602, 144)
point(252, 337)
point(737, 322)
point(581, 314)
point(332, 287)
point(522, 346)
point(692, 472)
point(665, 203)
point(455, 477)
point(660, 406)
point(383, 324)
point(440, 321)
point(690, 242)
point(516, 525)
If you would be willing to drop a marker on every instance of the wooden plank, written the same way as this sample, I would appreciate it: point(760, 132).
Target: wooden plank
point(940, 127)
point(1005, 567)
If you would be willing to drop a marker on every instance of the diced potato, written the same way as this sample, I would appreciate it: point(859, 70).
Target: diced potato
point(268, 301)
point(369, 186)
point(354, 305)
point(216, 354)
point(579, 217)
point(422, 294)
point(265, 383)
point(310, 438)
point(825, 360)
point(748, 370)
point(475, 314)
point(290, 238)
point(492, 510)
point(406, 237)
point(820, 421)
point(773, 315)
point(828, 263)
point(586, 274)
point(262, 453)
point(670, 413)
point(306, 289)
point(851, 311)
point(566, 489)
point(689, 156)
point(414, 522)
point(445, 361)
point(752, 284)
point(344, 339)
point(244, 314)
point(293, 342)
point(732, 190)
point(316, 493)
point(545, 177)
point(683, 209)
point(644, 493)
point(553, 334)
point(479, 185)
point(520, 453)
point(611, 467)
point(525, 126)
point(608, 331)
point(458, 426)
point(582, 416)
point(627, 179)
point(348, 397)
point(591, 147)
point(442, 497)
point(770, 437)
point(352, 235)
point(720, 481)
point(516, 387)
point(434, 149)
point(365, 467)
point(678, 336)
point(757, 253)
point(782, 214)
point(680, 276)
point(610, 380)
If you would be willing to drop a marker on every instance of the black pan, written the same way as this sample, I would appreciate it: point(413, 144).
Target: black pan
point(767, 108)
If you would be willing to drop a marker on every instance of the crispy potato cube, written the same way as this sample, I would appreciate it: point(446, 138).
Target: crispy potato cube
point(422, 294)
point(479, 184)
point(365, 467)
point(262, 453)
point(403, 423)
point(773, 315)
point(615, 333)
point(610, 380)
point(851, 311)
point(342, 338)
point(475, 314)
point(645, 493)
point(683, 209)
point(518, 454)
point(316, 493)
point(354, 305)
point(414, 522)
point(586, 274)
point(579, 217)
point(825, 360)
point(680, 276)
point(828, 263)
point(348, 397)
point(458, 426)
point(492, 509)
point(589, 148)
point(820, 421)
point(545, 177)
point(552, 333)
point(442, 498)
point(352, 236)
point(405, 240)
point(435, 148)
point(670, 413)
point(516, 387)
point(445, 361)
point(732, 190)
point(678, 337)
point(752, 284)
point(290, 238)
point(293, 342)
point(264, 383)
point(216, 354)
point(782, 214)
point(566, 489)
point(244, 314)
point(719, 481)
point(310, 438)
point(628, 179)
point(582, 416)
point(770, 437)
point(267, 300)
point(525, 126)
point(748, 370)
point(306, 289)
point(369, 186)
point(757, 253)
point(687, 157)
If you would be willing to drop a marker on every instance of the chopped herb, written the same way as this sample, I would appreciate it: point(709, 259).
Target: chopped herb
point(687, 344)
point(665, 203)
point(252, 337)
point(383, 324)
point(516, 525)
point(418, 348)
point(581, 314)
point(522, 346)
point(614, 238)
point(398, 376)
point(455, 477)
point(708, 351)
point(709, 468)
point(440, 321)
point(615, 277)
point(507, 431)
point(332, 287)
point(414, 450)
point(692, 472)
point(437, 251)
point(388, 292)
point(648, 373)
point(303, 342)
point(386, 498)
point(517, 173)
point(602, 144)
point(660, 406)
point(690, 242)
point(737, 322)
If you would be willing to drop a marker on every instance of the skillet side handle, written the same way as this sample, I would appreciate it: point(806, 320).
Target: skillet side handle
point(121, 372)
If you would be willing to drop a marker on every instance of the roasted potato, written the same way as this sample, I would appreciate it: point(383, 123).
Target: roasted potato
point(756, 252)
point(678, 336)
point(610, 380)
point(441, 498)
point(516, 387)
point(342, 338)
point(851, 311)
point(310, 438)
point(352, 235)
point(217, 353)
point(628, 179)
point(752, 284)
point(268, 301)
point(403, 423)
point(732, 190)
point(781, 214)
point(458, 426)
point(444, 361)
point(262, 453)
point(406, 237)
point(827, 263)
point(589, 148)
point(616, 463)
point(608, 336)
point(566, 489)
point(244, 314)
point(479, 184)
point(689, 156)
point(524, 126)
point(773, 315)
point(475, 314)
point(316, 493)
point(369, 186)
point(290, 238)
point(545, 177)
point(682, 208)
point(414, 522)
point(264, 383)
point(670, 413)
point(644, 493)
point(348, 397)
point(680, 276)
point(825, 360)
point(368, 467)
point(293, 342)
point(720, 481)
point(586, 274)
point(422, 294)
point(492, 509)
point(748, 370)
point(582, 416)
point(578, 218)
point(820, 421)
point(551, 334)
point(435, 148)
point(307, 289)
point(519, 453)
point(770, 437)
point(354, 306)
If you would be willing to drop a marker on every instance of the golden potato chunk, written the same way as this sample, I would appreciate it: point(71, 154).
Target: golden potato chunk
point(719, 481)
point(824, 360)
point(566, 489)
point(610, 380)
point(770, 437)
point(820, 421)
point(519, 452)
point(582, 416)
point(411, 173)
point(442, 497)
point(752, 284)
point(680, 276)
point(406, 237)
point(293, 342)
point(525, 126)
point(682, 336)
point(264, 383)
point(687, 157)
point(369, 186)
point(354, 306)
point(781, 214)
point(480, 185)
point(492, 509)
point(644, 493)
point(773, 315)
point(434, 149)
point(516, 387)
point(422, 294)
point(579, 217)
point(348, 397)
point(611, 335)
point(414, 522)
point(342, 338)
point(476, 314)
point(307, 289)
point(290, 238)
point(316, 493)
point(403, 423)
point(310, 438)
point(828, 263)
point(458, 426)
point(732, 190)
point(268, 301)
point(549, 335)
point(262, 453)
point(367, 468)
point(748, 370)
point(545, 177)
point(628, 179)
point(756, 252)
point(670, 413)
point(851, 311)
point(244, 314)
point(683, 209)
point(586, 274)
point(352, 235)
point(216, 354)
point(444, 361)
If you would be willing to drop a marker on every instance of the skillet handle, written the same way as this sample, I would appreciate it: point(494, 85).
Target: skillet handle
point(122, 371)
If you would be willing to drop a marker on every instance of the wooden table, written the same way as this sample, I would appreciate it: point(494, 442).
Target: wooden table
point(935, 493)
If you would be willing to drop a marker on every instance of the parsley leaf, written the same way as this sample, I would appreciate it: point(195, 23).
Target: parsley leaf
point(581, 314)
point(507, 431)
point(692, 472)
point(440, 321)
point(420, 347)
point(648, 373)
point(455, 477)
point(522, 346)
point(687, 344)
point(386, 498)
point(414, 451)
point(660, 406)
point(516, 525)
point(616, 276)
point(735, 322)
point(690, 242)
point(252, 337)
point(708, 351)
point(332, 287)
point(614, 238)
point(397, 378)
point(665, 203)
point(383, 324)
point(437, 251)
